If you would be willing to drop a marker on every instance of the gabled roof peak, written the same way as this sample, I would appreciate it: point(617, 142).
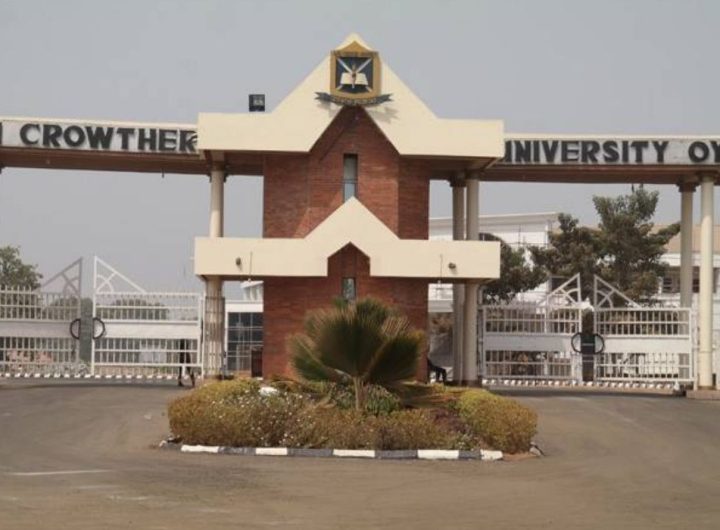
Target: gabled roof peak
point(352, 38)
point(300, 119)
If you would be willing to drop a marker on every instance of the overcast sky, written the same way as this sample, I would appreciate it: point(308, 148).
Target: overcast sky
point(570, 66)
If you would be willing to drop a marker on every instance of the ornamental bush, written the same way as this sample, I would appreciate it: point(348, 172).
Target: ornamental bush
point(237, 413)
point(349, 429)
point(501, 422)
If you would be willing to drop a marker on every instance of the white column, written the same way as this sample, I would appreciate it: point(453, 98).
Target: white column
point(217, 201)
point(214, 319)
point(705, 369)
point(686, 245)
point(470, 350)
point(458, 213)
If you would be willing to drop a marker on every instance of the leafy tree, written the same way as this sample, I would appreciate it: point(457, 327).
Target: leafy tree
point(573, 249)
point(632, 247)
point(359, 344)
point(625, 250)
point(517, 274)
point(14, 272)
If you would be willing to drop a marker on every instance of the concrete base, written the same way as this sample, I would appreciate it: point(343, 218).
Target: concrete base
point(581, 389)
point(705, 394)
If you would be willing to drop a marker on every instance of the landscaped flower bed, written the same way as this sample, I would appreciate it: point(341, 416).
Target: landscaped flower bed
point(355, 365)
point(242, 413)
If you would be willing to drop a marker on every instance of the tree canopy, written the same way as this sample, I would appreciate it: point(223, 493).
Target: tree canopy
point(517, 274)
point(14, 273)
point(625, 249)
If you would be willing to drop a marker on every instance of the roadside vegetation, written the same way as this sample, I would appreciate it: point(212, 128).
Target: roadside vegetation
point(355, 389)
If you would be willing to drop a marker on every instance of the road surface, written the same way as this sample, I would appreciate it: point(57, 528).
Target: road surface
point(76, 456)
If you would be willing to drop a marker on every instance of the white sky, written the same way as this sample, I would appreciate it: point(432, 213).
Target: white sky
point(573, 66)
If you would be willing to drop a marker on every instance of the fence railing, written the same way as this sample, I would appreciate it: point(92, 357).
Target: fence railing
point(531, 319)
point(636, 321)
point(166, 307)
point(147, 333)
point(30, 304)
point(645, 344)
point(531, 365)
point(35, 332)
point(529, 341)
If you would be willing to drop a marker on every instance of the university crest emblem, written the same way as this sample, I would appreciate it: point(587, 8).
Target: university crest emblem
point(355, 76)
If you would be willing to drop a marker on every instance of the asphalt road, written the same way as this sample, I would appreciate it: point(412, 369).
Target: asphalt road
point(80, 456)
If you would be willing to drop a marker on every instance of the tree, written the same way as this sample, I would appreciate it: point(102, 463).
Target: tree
point(358, 344)
point(14, 273)
point(632, 247)
point(573, 249)
point(517, 274)
point(625, 250)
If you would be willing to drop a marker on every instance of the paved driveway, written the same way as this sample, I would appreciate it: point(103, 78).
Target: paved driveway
point(80, 456)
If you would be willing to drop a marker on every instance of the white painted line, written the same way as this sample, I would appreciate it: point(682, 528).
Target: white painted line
point(200, 449)
point(271, 451)
point(438, 454)
point(354, 453)
point(52, 473)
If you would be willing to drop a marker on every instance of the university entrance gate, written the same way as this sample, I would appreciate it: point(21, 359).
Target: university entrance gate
point(121, 332)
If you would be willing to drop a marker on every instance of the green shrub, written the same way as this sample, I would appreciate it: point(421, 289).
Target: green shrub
point(501, 422)
point(378, 400)
point(235, 413)
point(412, 429)
point(349, 429)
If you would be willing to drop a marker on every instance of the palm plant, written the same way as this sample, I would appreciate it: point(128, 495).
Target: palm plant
point(358, 344)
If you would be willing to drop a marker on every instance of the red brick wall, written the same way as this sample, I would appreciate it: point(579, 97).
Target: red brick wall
point(301, 191)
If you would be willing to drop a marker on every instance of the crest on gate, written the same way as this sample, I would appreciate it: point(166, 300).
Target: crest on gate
point(355, 77)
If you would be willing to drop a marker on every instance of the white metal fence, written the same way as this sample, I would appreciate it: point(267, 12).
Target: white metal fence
point(35, 333)
point(35, 326)
point(529, 342)
point(143, 333)
point(532, 342)
point(645, 344)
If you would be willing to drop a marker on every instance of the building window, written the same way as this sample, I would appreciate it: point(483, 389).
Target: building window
point(350, 176)
point(349, 292)
point(244, 339)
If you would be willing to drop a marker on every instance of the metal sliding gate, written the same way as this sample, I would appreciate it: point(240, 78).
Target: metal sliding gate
point(532, 341)
point(143, 334)
point(37, 327)
point(641, 345)
point(122, 332)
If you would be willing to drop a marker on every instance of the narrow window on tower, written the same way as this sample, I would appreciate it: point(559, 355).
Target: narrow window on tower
point(350, 176)
point(348, 289)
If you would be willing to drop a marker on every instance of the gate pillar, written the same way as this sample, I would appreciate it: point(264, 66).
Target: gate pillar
point(470, 342)
point(707, 280)
point(458, 215)
point(687, 189)
point(214, 313)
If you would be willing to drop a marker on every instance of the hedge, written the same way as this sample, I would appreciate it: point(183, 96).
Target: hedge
point(237, 413)
point(503, 423)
